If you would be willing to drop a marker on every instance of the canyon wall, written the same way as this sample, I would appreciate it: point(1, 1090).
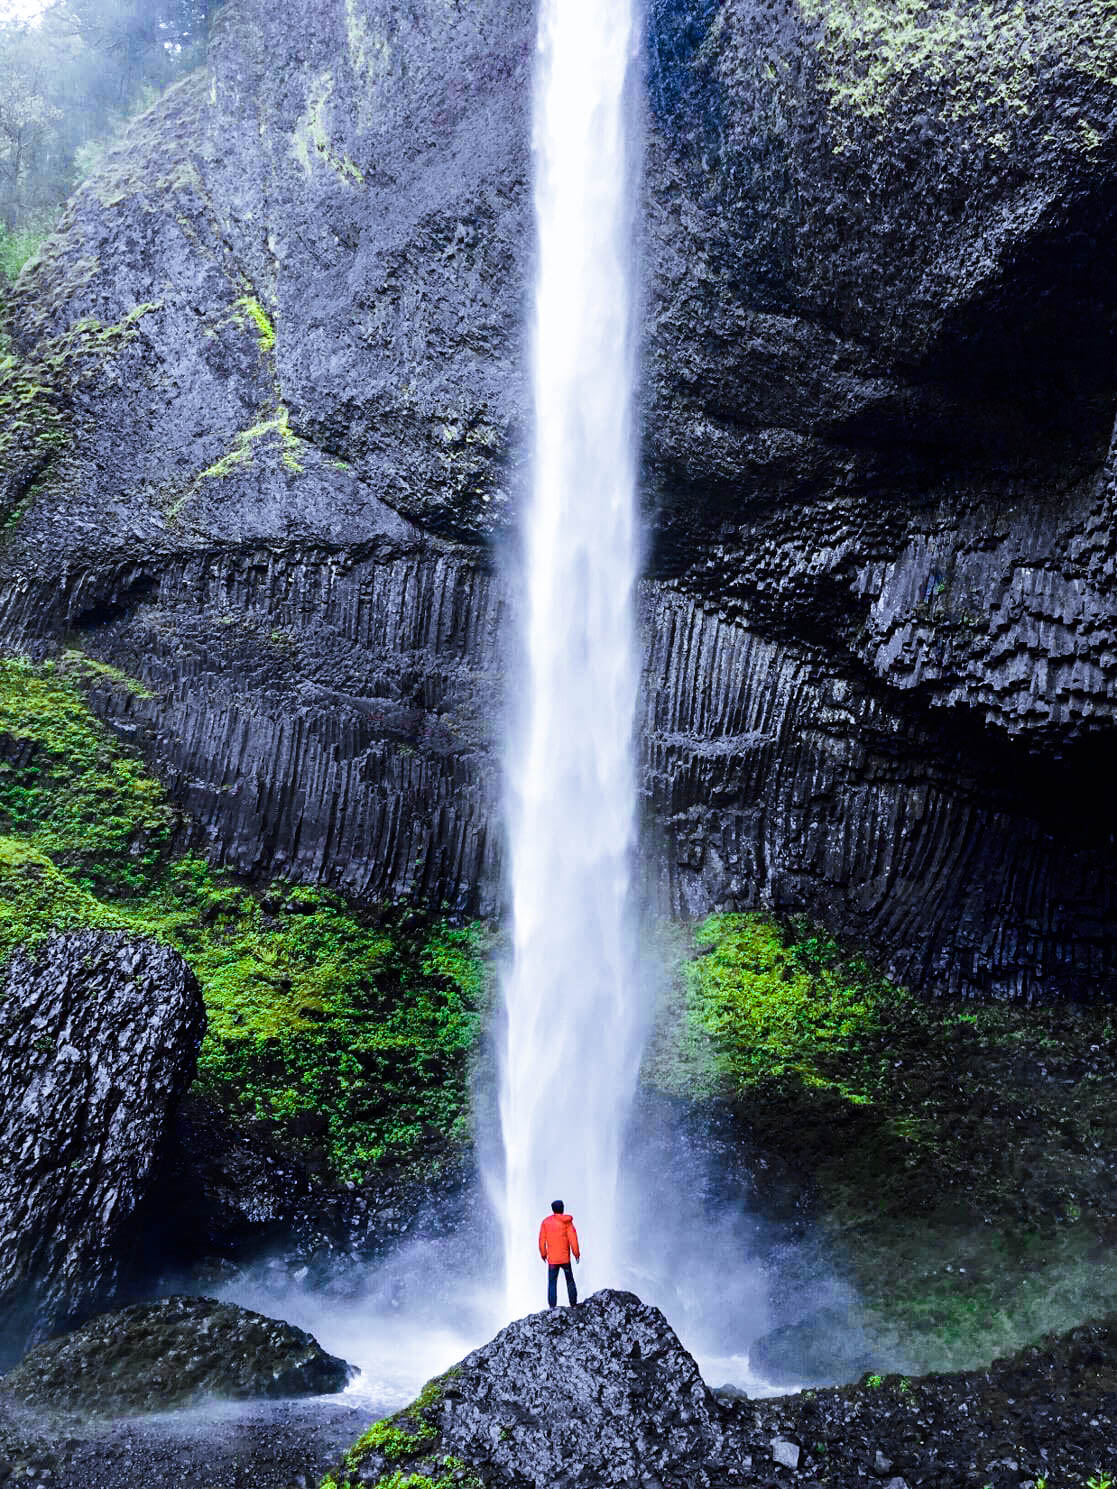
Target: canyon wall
point(264, 442)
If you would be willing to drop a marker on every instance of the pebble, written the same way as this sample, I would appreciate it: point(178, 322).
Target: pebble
point(785, 1452)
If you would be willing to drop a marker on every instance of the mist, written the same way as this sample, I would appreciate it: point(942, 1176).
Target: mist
point(72, 75)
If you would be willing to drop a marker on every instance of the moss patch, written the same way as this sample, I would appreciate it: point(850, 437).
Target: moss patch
point(311, 142)
point(274, 432)
point(348, 1034)
point(963, 1156)
point(259, 317)
point(962, 58)
point(410, 1437)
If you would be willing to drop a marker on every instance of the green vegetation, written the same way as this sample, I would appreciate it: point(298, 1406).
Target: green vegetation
point(348, 1035)
point(390, 1440)
point(408, 1434)
point(445, 1473)
point(27, 410)
point(18, 245)
point(70, 78)
point(960, 1154)
point(311, 141)
point(778, 1009)
point(276, 430)
point(260, 319)
point(967, 57)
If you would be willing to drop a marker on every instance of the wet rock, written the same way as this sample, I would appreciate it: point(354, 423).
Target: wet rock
point(98, 1039)
point(785, 1453)
point(599, 1394)
point(879, 398)
point(173, 1353)
point(229, 1204)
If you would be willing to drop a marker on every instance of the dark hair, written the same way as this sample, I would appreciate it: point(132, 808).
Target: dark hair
point(556, 1206)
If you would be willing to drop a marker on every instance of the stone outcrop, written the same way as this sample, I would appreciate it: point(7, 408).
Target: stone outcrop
point(599, 1394)
point(604, 1394)
point(99, 1034)
point(280, 428)
point(174, 1353)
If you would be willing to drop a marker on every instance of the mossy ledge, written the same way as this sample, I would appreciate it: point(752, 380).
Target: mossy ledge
point(402, 1451)
point(959, 1157)
point(347, 1032)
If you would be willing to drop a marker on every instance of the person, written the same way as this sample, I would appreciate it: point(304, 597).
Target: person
point(558, 1240)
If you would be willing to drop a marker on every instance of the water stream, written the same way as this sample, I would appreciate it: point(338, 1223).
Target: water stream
point(572, 1023)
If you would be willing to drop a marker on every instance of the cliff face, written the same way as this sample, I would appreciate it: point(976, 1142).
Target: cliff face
point(269, 425)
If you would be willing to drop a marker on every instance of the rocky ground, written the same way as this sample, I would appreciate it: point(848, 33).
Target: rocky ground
point(605, 1394)
point(254, 1445)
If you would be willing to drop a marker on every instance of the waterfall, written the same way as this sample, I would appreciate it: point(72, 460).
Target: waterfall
point(571, 1044)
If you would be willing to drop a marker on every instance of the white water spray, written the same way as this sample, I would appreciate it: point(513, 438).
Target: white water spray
point(571, 1051)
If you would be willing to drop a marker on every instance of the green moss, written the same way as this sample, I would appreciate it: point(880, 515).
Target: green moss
point(777, 1009)
point(311, 139)
point(348, 1035)
point(973, 57)
point(87, 669)
point(256, 313)
point(70, 789)
point(29, 415)
point(958, 1153)
point(275, 431)
point(408, 1435)
point(391, 1441)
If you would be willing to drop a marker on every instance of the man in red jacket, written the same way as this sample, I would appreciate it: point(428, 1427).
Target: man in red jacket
point(557, 1239)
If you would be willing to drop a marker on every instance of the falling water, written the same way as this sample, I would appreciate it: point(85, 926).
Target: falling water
point(571, 1047)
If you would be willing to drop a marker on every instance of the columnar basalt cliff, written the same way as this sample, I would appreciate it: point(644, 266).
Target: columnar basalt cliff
point(268, 430)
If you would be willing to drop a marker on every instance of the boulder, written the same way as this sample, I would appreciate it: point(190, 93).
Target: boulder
point(604, 1394)
point(98, 1039)
point(599, 1394)
point(172, 1353)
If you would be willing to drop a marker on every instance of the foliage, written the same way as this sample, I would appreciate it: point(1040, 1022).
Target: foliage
point(408, 1434)
point(991, 1123)
point(779, 1009)
point(69, 81)
point(260, 319)
point(19, 244)
point(348, 1035)
point(390, 1440)
point(70, 790)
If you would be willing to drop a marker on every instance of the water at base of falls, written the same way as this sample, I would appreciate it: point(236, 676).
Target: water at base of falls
point(571, 1036)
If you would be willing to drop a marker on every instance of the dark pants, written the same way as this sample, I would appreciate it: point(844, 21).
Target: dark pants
point(552, 1283)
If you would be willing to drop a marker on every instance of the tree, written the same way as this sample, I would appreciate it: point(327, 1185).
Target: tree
point(71, 78)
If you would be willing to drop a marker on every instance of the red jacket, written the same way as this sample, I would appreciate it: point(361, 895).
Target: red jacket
point(557, 1239)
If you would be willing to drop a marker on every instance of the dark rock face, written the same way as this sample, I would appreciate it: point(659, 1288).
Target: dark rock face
point(605, 1394)
point(99, 1035)
point(879, 397)
point(227, 1204)
point(155, 1356)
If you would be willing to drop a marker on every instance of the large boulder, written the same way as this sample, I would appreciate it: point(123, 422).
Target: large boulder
point(599, 1394)
point(278, 352)
point(99, 1034)
point(604, 1394)
point(173, 1353)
